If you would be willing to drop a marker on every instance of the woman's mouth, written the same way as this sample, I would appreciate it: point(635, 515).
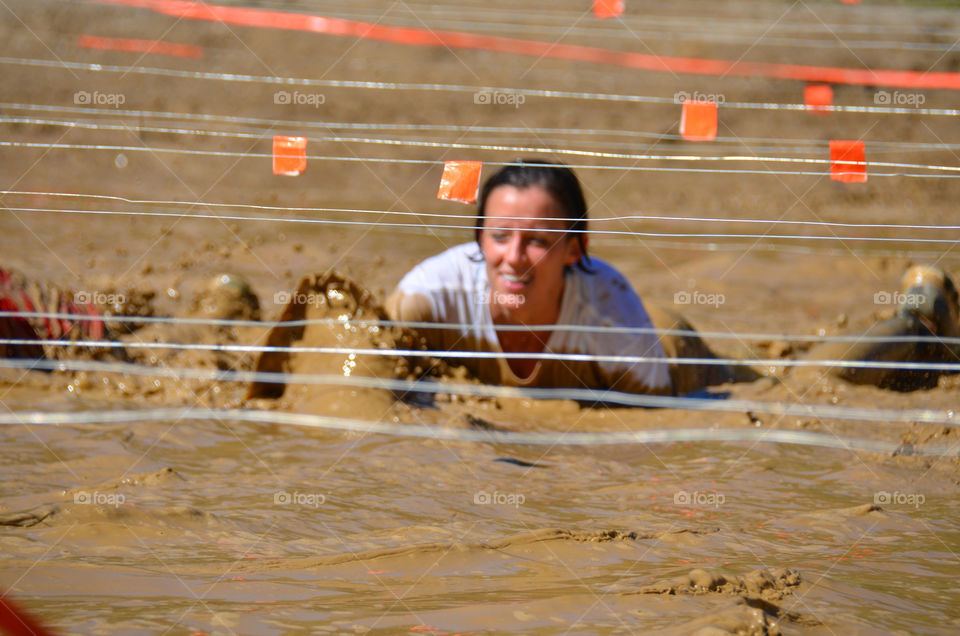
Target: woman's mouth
point(514, 282)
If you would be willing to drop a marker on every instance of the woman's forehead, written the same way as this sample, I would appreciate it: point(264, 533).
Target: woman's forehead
point(532, 203)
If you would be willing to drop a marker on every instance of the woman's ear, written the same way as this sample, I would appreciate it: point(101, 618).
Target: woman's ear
point(575, 250)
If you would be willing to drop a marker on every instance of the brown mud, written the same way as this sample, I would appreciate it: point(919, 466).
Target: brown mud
point(231, 527)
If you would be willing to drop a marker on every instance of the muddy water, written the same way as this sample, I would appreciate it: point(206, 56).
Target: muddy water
point(229, 527)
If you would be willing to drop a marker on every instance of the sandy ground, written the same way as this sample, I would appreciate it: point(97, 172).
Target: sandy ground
point(224, 527)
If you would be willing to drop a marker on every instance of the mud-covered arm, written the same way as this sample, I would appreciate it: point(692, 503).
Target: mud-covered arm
point(409, 307)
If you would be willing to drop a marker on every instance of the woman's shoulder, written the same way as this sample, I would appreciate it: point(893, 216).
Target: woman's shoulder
point(607, 296)
point(455, 267)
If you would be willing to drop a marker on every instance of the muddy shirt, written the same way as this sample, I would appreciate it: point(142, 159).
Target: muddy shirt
point(456, 288)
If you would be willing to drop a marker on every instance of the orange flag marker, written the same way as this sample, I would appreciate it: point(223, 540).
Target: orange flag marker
point(698, 122)
point(607, 8)
point(460, 181)
point(289, 155)
point(843, 150)
point(816, 96)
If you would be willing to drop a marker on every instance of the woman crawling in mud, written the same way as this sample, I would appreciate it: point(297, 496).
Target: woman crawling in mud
point(527, 273)
point(528, 270)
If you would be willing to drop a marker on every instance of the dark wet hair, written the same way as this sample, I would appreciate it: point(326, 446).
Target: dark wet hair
point(558, 180)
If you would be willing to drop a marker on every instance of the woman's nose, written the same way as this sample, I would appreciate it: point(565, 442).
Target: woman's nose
point(515, 255)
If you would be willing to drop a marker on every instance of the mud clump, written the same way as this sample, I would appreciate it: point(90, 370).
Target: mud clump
point(767, 584)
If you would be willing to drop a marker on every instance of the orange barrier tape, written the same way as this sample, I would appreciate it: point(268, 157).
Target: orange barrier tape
point(843, 150)
point(139, 46)
point(183, 9)
point(816, 96)
point(698, 120)
point(289, 155)
point(460, 181)
point(607, 8)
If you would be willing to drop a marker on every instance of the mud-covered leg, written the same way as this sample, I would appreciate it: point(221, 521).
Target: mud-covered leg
point(928, 309)
point(687, 378)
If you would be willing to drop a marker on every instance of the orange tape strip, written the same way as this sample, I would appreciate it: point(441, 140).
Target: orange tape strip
point(844, 150)
point(607, 8)
point(460, 181)
point(139, 46)
point(289, 155)
point(453, 39)
point(698, 121)
point(816, 96)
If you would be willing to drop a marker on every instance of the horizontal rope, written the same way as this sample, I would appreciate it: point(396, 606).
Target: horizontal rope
point(559, 438)
point(271, 126)
point(950, 367)
point(592, 220)
point(630, 168)
point(697, 33)
point(365, 323)
point(470, 228)
point(408, 86)
point(415, 143)
point(691, 21)
point(818, 411)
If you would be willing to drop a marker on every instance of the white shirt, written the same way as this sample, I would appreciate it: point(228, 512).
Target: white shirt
point(456, 286)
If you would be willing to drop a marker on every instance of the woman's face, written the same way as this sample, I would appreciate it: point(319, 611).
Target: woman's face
point(525, 261)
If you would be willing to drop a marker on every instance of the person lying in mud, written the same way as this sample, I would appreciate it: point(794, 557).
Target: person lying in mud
point(529, 266)
point(226, 296)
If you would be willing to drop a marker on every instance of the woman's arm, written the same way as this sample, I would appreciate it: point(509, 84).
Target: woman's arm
point(409, 307)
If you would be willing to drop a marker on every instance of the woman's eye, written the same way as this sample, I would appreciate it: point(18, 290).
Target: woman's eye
point(539, 241)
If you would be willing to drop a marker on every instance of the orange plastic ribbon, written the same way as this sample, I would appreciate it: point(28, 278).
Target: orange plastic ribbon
point(698, 122)
point(816, 96)
point(139, 46)
point(460, 181)
point(844, 150)
point(183, 9)
point(607, 8)
point(289, 155)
